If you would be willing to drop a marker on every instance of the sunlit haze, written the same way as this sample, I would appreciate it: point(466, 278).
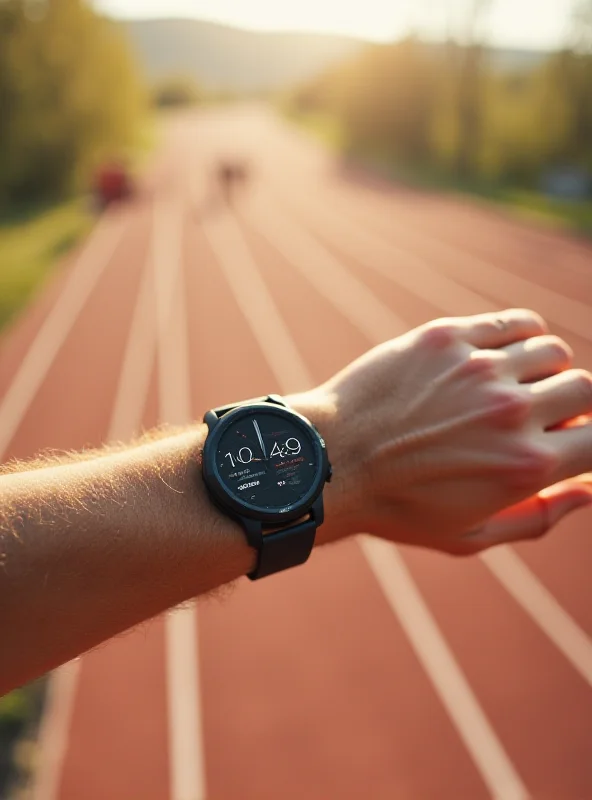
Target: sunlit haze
point(511, 23)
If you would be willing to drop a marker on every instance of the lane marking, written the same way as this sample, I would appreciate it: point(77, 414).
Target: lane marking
point(126, 420)
point(138, 360)
point(185, 735)
point(575, 255)
point(331, 280)
point(443, 670)
point(509, 569)
point(542, 607)
point(572, 315)
point(56, 327)
point(187, 768)
point(450, 683)
point(406, 269)
point(256, 302)
point(54, 732)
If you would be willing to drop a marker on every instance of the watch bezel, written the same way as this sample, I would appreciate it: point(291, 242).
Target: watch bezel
point(240, 508)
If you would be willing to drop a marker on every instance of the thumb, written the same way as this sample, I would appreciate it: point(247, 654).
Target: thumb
point(532, 517)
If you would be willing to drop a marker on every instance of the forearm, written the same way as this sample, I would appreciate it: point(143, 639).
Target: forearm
point(92, 548)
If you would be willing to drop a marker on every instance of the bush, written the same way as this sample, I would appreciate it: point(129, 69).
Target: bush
point(175, 92)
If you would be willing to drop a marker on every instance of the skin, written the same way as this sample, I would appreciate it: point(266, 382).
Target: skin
point(462, 434)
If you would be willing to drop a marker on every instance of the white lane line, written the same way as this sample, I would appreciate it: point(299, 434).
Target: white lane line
point(331, 280)
point(56, 327)
point(126, 419)
point(415, 273)
point(443, 669)
point(398, 265)
point(54, 732)
point(187, 768)
point(255, 301)
point(450, 683)
point(185, 735)
point(542, 607)
point(572, 315)
point(138, 360)
point(526, 589)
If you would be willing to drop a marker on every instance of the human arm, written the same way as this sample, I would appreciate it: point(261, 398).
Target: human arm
point(430, 436)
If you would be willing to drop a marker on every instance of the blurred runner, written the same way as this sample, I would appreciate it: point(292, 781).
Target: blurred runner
point(232, 176)
point(112, 183)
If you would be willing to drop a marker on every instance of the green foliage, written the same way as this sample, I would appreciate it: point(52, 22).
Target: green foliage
point(448, 109)
point(176, 91)
point(19, 715)
point(388, 101)
point(69, 95)
point(30, 246)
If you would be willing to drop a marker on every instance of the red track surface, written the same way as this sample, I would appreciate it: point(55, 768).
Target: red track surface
point(335, 680)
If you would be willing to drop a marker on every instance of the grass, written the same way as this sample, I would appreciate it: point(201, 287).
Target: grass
point(527, 204)
point(20, 713)
point(574, 215)
point(325, 127)
point(31, 242)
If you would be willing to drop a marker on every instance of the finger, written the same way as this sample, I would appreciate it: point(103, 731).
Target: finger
point(530, 519)
point(561, 397)
point(536, 358)
point(500, 329)
point(573, 449)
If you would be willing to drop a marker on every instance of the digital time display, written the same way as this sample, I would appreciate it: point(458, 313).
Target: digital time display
point(267, 460)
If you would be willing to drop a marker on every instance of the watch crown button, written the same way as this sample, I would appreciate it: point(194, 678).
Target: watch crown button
point(329, 474)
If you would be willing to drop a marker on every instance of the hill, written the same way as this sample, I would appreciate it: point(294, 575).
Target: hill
point(220, 57)
point(225, 58)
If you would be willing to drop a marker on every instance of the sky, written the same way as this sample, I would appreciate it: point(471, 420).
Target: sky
point(520, 23)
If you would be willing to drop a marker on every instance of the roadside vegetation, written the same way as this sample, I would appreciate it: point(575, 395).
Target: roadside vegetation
point(71, 97)
point(527, 202)
point(30, 245)
point(20, 713)
point(176, 91)
point(455, 117)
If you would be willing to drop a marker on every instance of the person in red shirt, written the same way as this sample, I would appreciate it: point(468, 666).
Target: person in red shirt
point(112, 183)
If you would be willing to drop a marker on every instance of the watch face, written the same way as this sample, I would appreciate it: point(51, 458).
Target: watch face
point(268, 460)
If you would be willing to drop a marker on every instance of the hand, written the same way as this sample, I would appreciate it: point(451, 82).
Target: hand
point(452, 436)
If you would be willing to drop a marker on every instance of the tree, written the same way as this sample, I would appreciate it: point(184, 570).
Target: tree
point(387, 97)
point(470, 71)
point(175, 91)
point(69, 94)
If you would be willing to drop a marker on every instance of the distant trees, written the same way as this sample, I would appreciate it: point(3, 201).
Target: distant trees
point(453, 109)
point(176, 91)
point(388, 99)
point(69, 94)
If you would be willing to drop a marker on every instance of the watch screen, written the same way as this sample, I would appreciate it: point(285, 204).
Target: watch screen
point(267, 460)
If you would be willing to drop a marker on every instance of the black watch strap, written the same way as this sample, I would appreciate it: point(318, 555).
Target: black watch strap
point(283, 549)
point(289, 546)
point(275, 399)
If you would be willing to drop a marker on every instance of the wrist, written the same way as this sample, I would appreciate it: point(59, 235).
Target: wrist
point(199, 526)
point(340, 495)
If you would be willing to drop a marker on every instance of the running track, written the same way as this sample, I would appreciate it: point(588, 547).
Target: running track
point(374, 672)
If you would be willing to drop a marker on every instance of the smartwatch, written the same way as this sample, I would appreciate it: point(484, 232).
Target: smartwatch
point(265, 466)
